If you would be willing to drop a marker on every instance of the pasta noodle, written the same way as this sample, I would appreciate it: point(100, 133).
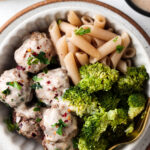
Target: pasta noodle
point(122, 66)
point(82, 58)
point(73, 18)
point(71, 67)
point(99, 21)
point(72, 48)
point(99, 33)
point(67, 28)
point(109, 47)
point(106, 61)
point(115, 57)
point(54, 32)
point(88, 38)
point(87, 20)
point(129, 53)
point(129, 63)
point(62, 49)
point(84, 45)
point(97, 42)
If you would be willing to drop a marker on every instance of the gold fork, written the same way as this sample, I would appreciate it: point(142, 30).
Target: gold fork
point(138, 130)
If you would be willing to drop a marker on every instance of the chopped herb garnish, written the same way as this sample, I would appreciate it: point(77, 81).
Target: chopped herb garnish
point(115, 39)
point(22, 99)
point(45, 70)
point(38, 119)
point(36, 85)
point(40, 104)
point(82, 31)
point(36, 109)
point(32, 60)
point(119, 48)
point(10, 125)
point(59, 21)
point(38, 58)
point(15, 84)
point(60, 125)
point(36, 79)
point(42, 57)
point(6, 92)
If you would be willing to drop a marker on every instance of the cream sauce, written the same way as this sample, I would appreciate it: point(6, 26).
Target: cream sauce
point(143, 4)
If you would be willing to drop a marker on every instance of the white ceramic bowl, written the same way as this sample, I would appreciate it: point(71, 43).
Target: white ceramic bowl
point(38, 18)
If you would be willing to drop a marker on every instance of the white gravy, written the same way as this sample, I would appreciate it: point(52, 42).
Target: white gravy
point(143, 4)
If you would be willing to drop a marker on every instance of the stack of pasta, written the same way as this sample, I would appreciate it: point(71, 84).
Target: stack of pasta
point(83, 40)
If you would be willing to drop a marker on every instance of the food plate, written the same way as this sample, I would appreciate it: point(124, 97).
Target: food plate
point(38, 18)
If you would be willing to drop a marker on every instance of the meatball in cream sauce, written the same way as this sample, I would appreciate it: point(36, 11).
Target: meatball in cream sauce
point(35, 53)
point(15, 87)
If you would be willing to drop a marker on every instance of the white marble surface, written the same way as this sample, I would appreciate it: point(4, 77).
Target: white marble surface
point(10, 7)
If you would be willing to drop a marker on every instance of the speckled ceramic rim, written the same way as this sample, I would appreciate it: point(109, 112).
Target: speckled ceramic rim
point(136, 8)
point(42, 3)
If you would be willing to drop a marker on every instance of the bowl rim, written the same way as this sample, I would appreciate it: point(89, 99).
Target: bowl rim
point(46, 2)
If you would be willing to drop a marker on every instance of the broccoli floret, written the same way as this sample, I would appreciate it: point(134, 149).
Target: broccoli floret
point(108, 100)
point(80, 101)
point(136, 104)
point(133, 81)
point(94, 126)
point(117, 117)
point(102, 144)
point(129, 129)
point(97, 77)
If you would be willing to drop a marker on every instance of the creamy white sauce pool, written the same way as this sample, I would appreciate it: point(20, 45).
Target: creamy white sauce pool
point(143, 4)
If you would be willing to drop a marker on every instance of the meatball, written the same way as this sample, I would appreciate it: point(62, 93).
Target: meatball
point(52, 84)
point(67, 145)
point(28, 122)
point(35, 53)
point(15, 87)
point(58, 123)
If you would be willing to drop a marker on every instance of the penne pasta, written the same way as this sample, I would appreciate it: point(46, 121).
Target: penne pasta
point(72, 48)
point(129, 63)
point(73, 18)
point(99, 33)
point(115, 57)
point(129, 53)
point(87, 37)
point(82, 58)
point(99, 21)
point(84, 45)
point(54, 32)
point(97, 42)
point(71, 67)
point(109, 47)
point(67, 28)
point(122, 66)
point(110, 29)
point(62, 49)
point(87, 20)
point(107, 61)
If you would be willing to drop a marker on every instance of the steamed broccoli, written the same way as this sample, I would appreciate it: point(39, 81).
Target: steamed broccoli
point(94, 126)
point(129, 129)
point(80, 101)
point(108, 100)
point(133, 81)
point(102, 144)
point(97, 77)
point(117, 117)
point(136, 104)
